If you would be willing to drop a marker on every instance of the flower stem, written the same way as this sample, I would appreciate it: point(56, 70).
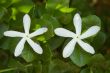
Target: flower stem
point(5, 70)
point(10, 69)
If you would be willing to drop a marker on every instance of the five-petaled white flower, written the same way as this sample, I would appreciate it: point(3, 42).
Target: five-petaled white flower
point(78, 37)
point(26, 36)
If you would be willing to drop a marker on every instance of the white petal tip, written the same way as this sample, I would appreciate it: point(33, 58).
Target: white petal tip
point(16, 55)
point(57, 30)
point(97, 27)
point(26, 15)
point(5, 33)
point(65, 56)
point(77, 16)
point(26, 18)
point(45, 29)
point(92, 52)
point(40, 52)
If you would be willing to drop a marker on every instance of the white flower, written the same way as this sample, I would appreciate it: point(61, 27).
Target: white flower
point(26, 36)
point(77, 38)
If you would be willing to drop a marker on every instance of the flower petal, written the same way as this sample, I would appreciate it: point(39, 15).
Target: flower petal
point(26, 22)
point(64, 32)
point(69, 48)
point(35, 46)
point(19, 47)
point(13, 34)
point(38, 32)
point(77, 23)
point(86, 47)
point(90, 32)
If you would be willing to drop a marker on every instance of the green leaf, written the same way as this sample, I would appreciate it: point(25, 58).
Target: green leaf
point(15, 64)
point(66, 10)
point(61, 5)
point(9, 44)
point(46, 58)
point(5, 3)
point(23, 6)
point(3, 28)
point(25, 9)
point(2, 12)
point(82, 6)
point(65, 19)
point(80, 57)
point(60, 66)
point(55, 3)
point(37, 67)
point(97, 58)
point(51, 23)
point(55, 42)
point(91, 20)
point(100, 40)
point(47, 54)
point(98, 63)
point(85, 70)
point(14, 12)
point(52, 3)
point(28, 55)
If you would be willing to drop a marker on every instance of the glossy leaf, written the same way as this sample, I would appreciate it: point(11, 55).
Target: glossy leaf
point(2, 30)
point(28, 55)
point(90, 21)
point(80, 57)
point(51, 23)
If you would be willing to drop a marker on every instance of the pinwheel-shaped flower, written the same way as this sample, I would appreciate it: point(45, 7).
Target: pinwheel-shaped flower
point(26, 36)
point(77, 38)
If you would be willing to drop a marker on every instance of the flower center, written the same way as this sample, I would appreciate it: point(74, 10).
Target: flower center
point(77, 37)
point(26, 36)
